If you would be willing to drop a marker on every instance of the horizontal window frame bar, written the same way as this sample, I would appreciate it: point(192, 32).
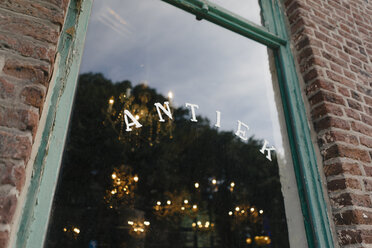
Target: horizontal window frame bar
point(224, 18)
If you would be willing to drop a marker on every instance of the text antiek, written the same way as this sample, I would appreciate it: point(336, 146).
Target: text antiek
point(241, 131)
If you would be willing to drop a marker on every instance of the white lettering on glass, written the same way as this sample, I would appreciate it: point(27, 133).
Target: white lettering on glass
point(241, 133)
point(193, 106)
point(134, 121)
point(218, 122)
point(264, 148)
point(166, 111)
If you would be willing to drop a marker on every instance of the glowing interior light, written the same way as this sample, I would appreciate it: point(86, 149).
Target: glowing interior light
point(169, 202)
point(261, 211)
point(137, 117)
point(111, 101)
point(232, 184)
point(158, 203)
point(147, 223)
point(76, 230)
point(237, 209)
point(230, 213)
point(196, 185)
point(65, 229)
point(135, 178)
point(186, 201)
point(252, 209)
point(130, 222)
point(170, 95)
point(194, 206)
point(214, 181)
point(113, 176)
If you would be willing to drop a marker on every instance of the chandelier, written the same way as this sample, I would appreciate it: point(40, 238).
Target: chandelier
point(175, 204)
point(140, 104)
point(122, 188)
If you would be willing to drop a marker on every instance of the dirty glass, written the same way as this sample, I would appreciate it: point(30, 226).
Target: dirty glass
point(174, 139)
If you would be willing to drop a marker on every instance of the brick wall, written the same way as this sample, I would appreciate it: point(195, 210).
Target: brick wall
point(332, 40)
point(29, 32)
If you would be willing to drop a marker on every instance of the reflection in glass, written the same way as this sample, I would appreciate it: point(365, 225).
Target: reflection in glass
point(140, 169)
point(249, 10)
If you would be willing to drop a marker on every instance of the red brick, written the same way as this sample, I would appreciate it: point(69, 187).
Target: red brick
point(344, 183)
point(350, 199)
point(59, 3)
point(368, 184)
point(329, 122)
point(342, 151)
point(368, 100)
point(29, 27)
point(4, 239)
point(7, 208)
point(22, 119)
point(6, 89)
point(366, 119)
point(12, 173)
point(351, 217)
point(361, 128)
point(344, 91)
point(14, 146)
point(318, 85)
point(366, 141)
point(311, 75)
point(334, 59)
point(27, 47)
point(23, 70)
point(354, 105)
point(326, 97)
point(368, 170)
point(337, 136)
point(366, 236)
point(340, 79)
point(34, 9)
point(352, 114)
point(342, 168)
point(349, 237)
point(356, 96)
point(34, 96)
point(326, 109)
point(364, 90)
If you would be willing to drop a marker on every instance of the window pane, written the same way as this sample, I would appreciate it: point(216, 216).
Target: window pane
point(249, 10)
point(196, 180)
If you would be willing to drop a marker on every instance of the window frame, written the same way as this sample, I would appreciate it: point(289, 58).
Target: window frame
point(34, 220)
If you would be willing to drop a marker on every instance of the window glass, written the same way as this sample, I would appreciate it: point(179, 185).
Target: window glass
point(249, 10)
point(198, 171)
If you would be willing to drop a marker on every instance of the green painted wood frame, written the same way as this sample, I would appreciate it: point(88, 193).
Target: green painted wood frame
point(34, 220)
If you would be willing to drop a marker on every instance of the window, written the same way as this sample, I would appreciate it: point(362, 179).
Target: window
point(213, 87)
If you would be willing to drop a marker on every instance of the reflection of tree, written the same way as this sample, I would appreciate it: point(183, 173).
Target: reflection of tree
point(230, 175)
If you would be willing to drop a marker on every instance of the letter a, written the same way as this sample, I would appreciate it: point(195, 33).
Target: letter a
point(264, 148)
point(166, 111)
point(134, 121)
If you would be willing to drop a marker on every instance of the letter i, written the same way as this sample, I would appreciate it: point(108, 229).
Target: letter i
point(218, 122)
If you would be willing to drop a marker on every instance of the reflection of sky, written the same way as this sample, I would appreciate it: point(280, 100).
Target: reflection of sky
point(201, 63)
